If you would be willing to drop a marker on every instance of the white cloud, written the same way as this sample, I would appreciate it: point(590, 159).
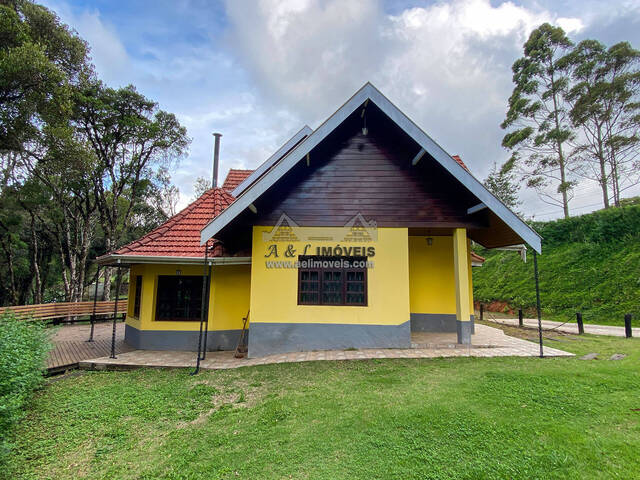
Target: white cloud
point(447, 65)
point(273, 65)
point(108, 53)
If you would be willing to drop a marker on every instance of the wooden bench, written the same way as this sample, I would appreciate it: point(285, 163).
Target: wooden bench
point(68, 312)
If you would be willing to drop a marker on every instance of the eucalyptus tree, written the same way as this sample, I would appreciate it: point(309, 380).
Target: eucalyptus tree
point(133, 141)
point(537, 121)
point(606, 107)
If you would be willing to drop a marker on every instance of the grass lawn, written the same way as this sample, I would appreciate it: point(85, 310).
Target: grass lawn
point(446, 418)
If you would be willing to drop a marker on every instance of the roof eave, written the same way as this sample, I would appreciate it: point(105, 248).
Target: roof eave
point(123, 259)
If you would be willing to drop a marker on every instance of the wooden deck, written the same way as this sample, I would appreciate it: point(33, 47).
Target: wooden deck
point(71, 346)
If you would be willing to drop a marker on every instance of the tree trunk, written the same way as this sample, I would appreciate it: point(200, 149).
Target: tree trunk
point(603, 171)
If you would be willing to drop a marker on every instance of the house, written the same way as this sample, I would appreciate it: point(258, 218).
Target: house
point(351, 235)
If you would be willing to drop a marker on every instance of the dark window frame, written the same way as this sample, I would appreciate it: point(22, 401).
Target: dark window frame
point(174, 298)
point(344, 273)
point(137, 296)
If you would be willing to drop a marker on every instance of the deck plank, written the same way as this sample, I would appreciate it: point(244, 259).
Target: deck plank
point(70, 345)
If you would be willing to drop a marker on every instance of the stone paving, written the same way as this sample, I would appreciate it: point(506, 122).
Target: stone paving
point(487, 342)
point(609, 330)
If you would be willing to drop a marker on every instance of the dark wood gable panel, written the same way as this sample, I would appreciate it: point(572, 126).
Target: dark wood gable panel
point(370, 174)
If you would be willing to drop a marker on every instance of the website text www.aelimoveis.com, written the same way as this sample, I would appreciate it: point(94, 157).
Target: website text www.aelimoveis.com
point(337, 264)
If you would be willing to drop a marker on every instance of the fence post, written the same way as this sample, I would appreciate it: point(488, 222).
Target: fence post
point(580, 324)
point(482, 311)
point(95, 299)
point(627, 326)
point(115, 313)
point(520, 322)
point(538, 307)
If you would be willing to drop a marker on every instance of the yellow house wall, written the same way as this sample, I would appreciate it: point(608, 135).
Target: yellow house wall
point(431, 276)
point(274, 290)
point(228, 300)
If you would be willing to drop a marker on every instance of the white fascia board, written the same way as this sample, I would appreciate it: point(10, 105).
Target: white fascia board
point(268, 163)
point(148, 259)
point(369, 92)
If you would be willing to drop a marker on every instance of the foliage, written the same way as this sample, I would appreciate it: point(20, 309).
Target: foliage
point(200, 186)
point(605, 105)
point(502, 183)
point(537, 121)
point(23, 349)
point(590, 264)
point(133, 143)
point(83, 167)
point(39, 59)
point(406, 418)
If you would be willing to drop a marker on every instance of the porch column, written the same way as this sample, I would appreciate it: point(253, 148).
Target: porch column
point(461, 270)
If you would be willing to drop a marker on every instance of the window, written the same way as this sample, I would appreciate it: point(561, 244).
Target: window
point(332, 281)
point(136, 298)
point(179, 298)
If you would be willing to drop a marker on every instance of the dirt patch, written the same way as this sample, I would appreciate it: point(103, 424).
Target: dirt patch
point(235, 395)
point(528, 333)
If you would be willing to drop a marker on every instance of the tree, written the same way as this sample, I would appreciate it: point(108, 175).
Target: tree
point(132, 141)
point(40, 59)
point(539, 129)
point(606, 107)
point(41, 62)
point(200, 186)
point(502, 183)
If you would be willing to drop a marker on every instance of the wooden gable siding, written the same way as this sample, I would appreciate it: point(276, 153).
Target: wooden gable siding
point(371, 175)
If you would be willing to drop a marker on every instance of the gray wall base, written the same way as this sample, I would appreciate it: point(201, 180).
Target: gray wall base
point(180, 339)
point(272, 338)
point(437, 323)
point(464, 331)
point(433, 322)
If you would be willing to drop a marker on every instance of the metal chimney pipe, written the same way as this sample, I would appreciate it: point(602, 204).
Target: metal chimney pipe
point(216, 159)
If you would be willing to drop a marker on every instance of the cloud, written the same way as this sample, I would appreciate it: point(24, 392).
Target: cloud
point(108, 53)
point(257, 70)
point(447, 65)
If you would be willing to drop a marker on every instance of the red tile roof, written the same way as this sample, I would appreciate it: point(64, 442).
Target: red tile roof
point(460, 162)
point(477, 258)
point(234, 178)
point(180, 235)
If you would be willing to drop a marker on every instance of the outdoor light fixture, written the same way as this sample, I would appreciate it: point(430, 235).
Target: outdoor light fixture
point(429, 241)
point(178, 272)
point(363, 115)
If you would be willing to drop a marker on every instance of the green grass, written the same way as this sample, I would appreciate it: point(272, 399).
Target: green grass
point(589, 264)
point(445, 418)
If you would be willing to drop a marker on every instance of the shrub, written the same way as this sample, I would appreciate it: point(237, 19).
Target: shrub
point(24, 345)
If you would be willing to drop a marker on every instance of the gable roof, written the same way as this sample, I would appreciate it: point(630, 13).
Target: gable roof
point(234, 178)
point(369, 93)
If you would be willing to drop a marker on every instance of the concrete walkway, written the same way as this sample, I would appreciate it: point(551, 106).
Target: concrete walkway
point(609, 330)
point(488, 342)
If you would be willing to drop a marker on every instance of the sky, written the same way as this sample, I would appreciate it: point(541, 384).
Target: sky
point(257, 71)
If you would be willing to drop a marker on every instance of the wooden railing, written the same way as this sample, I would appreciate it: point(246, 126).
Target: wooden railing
point(67, 311)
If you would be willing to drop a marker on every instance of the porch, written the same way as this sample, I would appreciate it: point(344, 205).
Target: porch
point(486, 342)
